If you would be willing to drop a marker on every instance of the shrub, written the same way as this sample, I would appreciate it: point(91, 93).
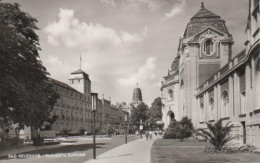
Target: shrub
point(179, 130)
point(82, 131)
point(65, 131)
point(217, 134)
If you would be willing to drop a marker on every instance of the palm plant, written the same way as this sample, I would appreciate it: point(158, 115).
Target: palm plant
point(217, 134)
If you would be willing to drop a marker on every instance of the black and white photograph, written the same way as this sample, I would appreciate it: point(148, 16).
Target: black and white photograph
point(129, 81)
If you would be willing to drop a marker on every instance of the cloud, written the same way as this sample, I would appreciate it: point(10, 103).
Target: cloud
point(109, 2)
point(144, 73)
point(54, 60)
point(133, 4)
point(177, 9)
point(69, 31)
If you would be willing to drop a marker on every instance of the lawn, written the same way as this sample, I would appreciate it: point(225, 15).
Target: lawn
point(174, 151)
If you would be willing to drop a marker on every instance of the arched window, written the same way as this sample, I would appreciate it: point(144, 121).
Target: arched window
point(170, 94)
point(225, 104)
point(211, 104)
point(208, 47)
point(202, 119)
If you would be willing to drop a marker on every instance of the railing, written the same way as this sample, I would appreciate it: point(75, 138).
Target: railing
point(224, 69)
point(241, 56)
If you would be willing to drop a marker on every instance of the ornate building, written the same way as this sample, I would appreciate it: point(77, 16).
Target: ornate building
point(137, 101)
point(210, 83)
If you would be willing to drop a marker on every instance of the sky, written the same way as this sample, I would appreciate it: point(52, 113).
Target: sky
point(122, 42)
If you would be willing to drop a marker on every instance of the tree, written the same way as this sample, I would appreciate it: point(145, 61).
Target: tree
point(217, 134)
point(139, 113)
point(27, 96)
point(154, 113)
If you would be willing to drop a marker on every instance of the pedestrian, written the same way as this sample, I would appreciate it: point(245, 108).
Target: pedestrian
point(146, 134)
point(150, 135)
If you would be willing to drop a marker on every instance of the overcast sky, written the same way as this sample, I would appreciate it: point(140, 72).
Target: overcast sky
point(122, 42)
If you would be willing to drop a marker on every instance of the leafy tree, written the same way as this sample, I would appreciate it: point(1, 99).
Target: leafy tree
point(154, 113)
point(217, 134)
point(139, 113)
point(27, 96)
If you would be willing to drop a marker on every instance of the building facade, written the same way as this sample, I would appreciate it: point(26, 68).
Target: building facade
point(213, 85)
point(73, 108)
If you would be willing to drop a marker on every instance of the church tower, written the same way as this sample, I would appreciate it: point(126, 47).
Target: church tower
point(204, 49)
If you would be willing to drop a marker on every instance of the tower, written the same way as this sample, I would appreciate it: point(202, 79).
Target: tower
point(80, 81)
point(137, 94)
point(204, 49)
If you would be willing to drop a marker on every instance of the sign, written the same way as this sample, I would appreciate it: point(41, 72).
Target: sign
point(159, 122)
point(141, 127)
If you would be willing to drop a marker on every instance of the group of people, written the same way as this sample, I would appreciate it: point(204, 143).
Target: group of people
point(148, 134)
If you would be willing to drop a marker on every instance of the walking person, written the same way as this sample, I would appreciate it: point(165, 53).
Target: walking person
point(150, 135)
point(146, 134)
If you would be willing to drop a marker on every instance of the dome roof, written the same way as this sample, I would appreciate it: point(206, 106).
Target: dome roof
point(175, 65)
point(202, 20)
point(137, 90)
point(137, 94)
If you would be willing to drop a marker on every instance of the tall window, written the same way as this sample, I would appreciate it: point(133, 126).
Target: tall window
point(170, 94)
point(208, 47)
point(211, 104)
point(202, 119)
point(225, 104)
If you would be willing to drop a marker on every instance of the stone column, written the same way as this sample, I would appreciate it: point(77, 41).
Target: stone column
point(216, 107)
point(236, 94)
point(219, 112)
point(248, 88)
point(253, 84)
point(231, 96)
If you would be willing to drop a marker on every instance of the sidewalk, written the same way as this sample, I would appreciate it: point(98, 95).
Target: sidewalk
point(137, 151)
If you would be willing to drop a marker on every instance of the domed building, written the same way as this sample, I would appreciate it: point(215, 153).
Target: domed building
point(207, 82)
point(137, 97)
point(137, 101)
point(170, 96)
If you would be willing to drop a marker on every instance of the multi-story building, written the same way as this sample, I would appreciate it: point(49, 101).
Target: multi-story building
point(73, 109)
point(210, 83)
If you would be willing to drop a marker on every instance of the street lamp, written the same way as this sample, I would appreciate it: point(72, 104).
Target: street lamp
point(94, 109)
point(141, 127)
point(126, 119)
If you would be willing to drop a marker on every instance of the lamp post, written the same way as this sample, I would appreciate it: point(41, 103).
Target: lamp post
point(126, 118)
point(94, 109)
point(141, 128)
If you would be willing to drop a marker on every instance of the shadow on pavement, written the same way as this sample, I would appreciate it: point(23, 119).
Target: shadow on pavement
point(62, 149)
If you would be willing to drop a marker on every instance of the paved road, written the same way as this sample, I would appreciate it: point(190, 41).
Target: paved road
point(137, 151)
point(73, 153)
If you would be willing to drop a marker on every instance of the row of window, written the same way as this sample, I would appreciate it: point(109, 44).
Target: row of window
point(225, 109)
